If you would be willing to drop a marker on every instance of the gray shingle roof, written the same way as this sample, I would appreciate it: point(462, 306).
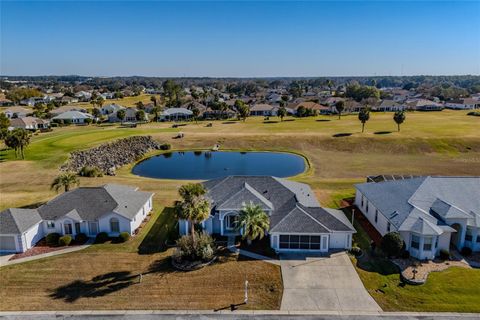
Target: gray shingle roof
point(16, 221)
point(295, 208)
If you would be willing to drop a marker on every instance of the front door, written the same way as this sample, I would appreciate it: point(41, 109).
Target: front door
point(67, 228)
point(77, 228)
point(93, 228)
point(231, 222)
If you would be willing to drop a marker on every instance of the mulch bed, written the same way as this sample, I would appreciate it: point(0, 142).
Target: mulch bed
point(261, 247)
point(368, 227)
point(40, 248)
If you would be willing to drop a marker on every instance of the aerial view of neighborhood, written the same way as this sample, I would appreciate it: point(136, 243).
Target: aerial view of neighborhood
point(239, 160)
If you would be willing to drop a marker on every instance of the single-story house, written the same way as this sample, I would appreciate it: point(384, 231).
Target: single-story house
point(389, 105)
point(297, 222)
point(110, 208)
point(111, 109)
point(263, 109)
point(75, 117)
point(16, 112)
point(463, 104)
point(321, 109)
point(430, 213)
point(62, 109)
point(130, 115)
point(29, 123)
point(424, 105)
point(174, 114)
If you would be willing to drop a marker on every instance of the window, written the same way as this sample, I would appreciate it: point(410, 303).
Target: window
point(436, 242)
point(77, 227)
point(427, 244)
point(50, 224)
point(389, 227)
point(362, 200)
point(478, 239)
point(469, 236)
point(231, 222)
point(376, 215)
point(415, 242)
point(366, 207)
point(114, 225)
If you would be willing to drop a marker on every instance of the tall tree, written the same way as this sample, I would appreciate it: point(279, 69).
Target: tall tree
point(140, 115)
point(399, 118)
point(193, 207)
point(140, 105)
point(196, 113)
point(253, 222)
point(364, 116)
point(340, 106)
point(121, 115)
point(18, 139)
point(100, 101)
point(65, 180)
point(154, 100)
point(4, 124)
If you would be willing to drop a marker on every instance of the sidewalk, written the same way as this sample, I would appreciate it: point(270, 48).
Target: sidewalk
point(45, 255)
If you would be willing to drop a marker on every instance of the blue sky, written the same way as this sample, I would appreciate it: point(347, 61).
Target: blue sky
point(239, 39)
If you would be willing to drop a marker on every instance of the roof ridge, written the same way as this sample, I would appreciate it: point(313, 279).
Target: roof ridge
point(308, 214)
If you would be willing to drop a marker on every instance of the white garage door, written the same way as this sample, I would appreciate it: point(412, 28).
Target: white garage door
point(7, 243)
point(303, 242)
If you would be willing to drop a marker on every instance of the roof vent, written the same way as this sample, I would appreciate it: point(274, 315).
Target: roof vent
point(394, 214)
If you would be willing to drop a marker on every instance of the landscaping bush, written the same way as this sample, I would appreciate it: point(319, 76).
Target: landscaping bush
point(91, 172)
point(123, 237)
point(101, 237)
point(444, 254)
point(64, 241)
point(81, 238)
point(405, 254)
point(165, 146)
point(356, 251)
point(474, 113)
point(466, 251)
point(52, 239)
point(203, 248)
point(88, 121)
point(392, 244)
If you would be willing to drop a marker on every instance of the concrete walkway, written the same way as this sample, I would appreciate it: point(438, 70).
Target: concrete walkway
point(45, 255)
point(323, 284)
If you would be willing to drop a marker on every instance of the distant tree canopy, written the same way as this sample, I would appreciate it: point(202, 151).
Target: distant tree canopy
point(359, 92)
point(18, 94)
point(173, 92)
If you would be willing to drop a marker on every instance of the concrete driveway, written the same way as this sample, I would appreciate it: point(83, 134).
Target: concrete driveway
point(323, 284)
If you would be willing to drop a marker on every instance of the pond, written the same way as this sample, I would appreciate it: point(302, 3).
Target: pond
point(198, 165)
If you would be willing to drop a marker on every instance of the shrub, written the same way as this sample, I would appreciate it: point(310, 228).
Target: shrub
point(53, 124)
point(166, 146)
point(123, 237)
point(88, 121)
point(81, 238)
point(52, 239)
point(64, 241)
point(91, 172)
point(101, 237)
point(356, 251)
point(466, 251)
point(202, 249)
point(444, 254)
point(474, 113)
point(392, 244)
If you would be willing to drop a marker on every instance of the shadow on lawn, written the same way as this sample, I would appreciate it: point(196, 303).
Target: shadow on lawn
point(98, 286)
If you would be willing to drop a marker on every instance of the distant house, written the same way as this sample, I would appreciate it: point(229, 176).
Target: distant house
point(262, 109)
point(68, 100)
point(111, 109)
point(463, 104)
point(16, 112)
point(63, 109)
point(32, 101)
point(430, 213)
point(111, 208)
point(424, 105)
point(5, 102)
point(83, 95)
point(175, 114)
point(29, 123)
point(75, 117)
point(389, 105)
point(297, 222)
point(320, 109)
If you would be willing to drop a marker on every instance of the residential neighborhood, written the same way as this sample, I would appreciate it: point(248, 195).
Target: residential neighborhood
point(239, 160)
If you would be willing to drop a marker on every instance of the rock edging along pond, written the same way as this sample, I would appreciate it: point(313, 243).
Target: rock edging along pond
point(204, 165)
point(110, 156)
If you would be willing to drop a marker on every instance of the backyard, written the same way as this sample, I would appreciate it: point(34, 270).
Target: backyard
point(105, 276)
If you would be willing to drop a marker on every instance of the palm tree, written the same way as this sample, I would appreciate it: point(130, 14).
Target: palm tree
point(65, 180)
point(193, 207)
point(253, 222)
point(18, 139)
point(399, 118)
point(100, 102)
point(364, 116)
point(154, 100)
point(121, 115)
point(282, 112)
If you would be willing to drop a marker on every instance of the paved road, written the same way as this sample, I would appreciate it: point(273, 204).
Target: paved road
point(152, 315)
point(323, 284)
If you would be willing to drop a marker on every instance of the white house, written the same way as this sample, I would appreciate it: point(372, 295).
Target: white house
point(29, 123)
point(297, 222)
point(430, 213)
point(111, 208)
point(263, 109)
point(176, 114)
point(75, 117)
point(463, 104)
point(17, 112)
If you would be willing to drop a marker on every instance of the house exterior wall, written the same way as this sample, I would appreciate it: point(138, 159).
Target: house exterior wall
point(340, 240)
point(104, 224)
point(382, 222)
point(275, 242)
point(32, 236)
point(141, 215)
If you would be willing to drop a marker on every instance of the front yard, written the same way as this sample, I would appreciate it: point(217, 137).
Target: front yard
point(454, 289)
point(106, 276)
